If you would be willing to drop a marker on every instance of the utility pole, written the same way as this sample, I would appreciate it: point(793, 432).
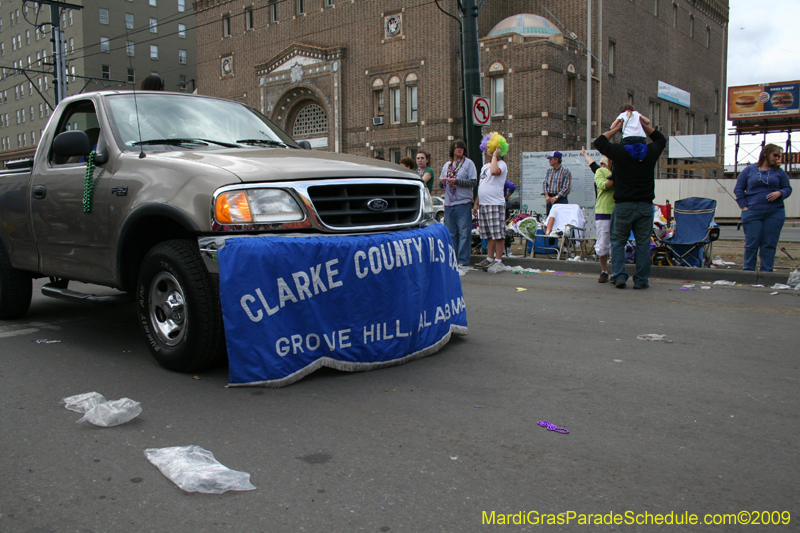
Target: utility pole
point(471, 76)
point(59, 47)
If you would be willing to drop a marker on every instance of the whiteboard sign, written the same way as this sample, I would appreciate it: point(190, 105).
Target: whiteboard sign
point(691, 146)
point(534, 168)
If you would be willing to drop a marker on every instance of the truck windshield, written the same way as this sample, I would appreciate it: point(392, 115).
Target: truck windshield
point(159, 116)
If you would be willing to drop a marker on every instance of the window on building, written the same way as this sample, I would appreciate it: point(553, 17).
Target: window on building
point(411, 103)
point(612, 53)
point(226, 26)
point(153, 51)
point(153, 25)
point(71, 44)
point(394, 104)
point(103, 16)
point(153, 3)
point(104, 44)
point(676, 121)
point(689, 124)
point(182, 82)
point(499, 95)
point(301, 6)
point(377, 98)
point(181, 5)
point(182, 57)
point(396, 156)
point(248, 19)
point(27, 36)
point(273, 11)
point(131, 75)
point(129, 20)
point(33, 137)
point(182, 31)
point(130, 48)
point(2, 49)
point(33, 113)
point(655, 114)
point(106, 72)
point(72, 70)
point(41, 110)
point(310, 121)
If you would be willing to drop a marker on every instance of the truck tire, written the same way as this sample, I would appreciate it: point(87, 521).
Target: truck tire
point(16, 289)
point(178, 307)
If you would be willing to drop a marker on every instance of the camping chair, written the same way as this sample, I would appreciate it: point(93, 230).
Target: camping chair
point(695, 232)
point(568, 223)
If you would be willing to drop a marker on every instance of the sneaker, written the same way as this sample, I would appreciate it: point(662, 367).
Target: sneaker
point(486, 262)
point(603, 277)
point(620, 284)
point(646, 285)
point(489, 264)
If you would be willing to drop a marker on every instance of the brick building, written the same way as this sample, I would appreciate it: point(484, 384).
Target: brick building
point(109, 45)
point(382, 77)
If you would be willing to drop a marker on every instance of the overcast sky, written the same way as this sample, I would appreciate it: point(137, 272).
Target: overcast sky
point(763, 47)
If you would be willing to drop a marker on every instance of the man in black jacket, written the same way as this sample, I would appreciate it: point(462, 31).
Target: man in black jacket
point(634, 191)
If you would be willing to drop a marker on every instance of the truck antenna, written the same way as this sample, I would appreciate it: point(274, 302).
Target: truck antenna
point(136, 105)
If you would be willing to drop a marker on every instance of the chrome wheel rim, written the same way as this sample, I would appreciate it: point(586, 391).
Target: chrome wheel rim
point(167, 308)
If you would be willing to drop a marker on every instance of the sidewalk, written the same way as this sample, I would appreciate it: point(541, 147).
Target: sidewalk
point(664, 272)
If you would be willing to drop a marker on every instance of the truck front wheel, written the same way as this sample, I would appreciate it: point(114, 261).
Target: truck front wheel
point(178, 308)
point(16, 289)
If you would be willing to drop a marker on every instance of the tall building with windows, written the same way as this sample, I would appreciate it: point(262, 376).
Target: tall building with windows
point(109, 45)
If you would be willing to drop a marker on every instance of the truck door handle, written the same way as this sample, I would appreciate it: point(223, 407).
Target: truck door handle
point(39, 192)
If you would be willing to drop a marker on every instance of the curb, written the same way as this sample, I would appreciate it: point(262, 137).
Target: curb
point(664, 272)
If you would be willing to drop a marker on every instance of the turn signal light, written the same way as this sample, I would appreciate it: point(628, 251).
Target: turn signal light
point(232, 208)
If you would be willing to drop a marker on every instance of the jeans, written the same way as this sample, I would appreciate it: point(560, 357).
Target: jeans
point(458, 219)
point(762, 228)
point(562, 200)
point(636, 216)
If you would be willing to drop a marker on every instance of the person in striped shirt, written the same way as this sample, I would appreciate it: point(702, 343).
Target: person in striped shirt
point(557, 182)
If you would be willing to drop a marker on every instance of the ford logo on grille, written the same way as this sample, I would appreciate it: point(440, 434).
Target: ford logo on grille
point(377, 204)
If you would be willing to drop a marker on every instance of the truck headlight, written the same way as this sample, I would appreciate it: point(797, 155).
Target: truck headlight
point(253, 206)
point(427, 204)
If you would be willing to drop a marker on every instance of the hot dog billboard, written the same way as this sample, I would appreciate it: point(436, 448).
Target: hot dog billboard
point(764, 101)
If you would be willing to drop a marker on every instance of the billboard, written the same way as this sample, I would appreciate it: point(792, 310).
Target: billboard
point(769, 100)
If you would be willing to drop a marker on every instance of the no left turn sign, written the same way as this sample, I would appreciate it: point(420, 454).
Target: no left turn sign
point(481, 111)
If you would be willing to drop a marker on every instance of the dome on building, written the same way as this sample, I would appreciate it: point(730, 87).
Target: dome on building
point(525, 24)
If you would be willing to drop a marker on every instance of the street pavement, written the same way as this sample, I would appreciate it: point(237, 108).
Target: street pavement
point(703, 422)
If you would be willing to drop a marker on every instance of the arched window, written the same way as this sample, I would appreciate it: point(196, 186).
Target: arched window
point(311, 120)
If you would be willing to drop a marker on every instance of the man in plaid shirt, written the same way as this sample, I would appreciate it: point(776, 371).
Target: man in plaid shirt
point(557, 182)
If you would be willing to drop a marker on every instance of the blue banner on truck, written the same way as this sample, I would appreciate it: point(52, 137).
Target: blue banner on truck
point(294, 304)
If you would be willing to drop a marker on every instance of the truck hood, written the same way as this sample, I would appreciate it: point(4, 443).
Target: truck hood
point(280, 164)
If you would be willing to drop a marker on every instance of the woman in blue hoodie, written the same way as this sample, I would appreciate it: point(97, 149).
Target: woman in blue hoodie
point(760, 191)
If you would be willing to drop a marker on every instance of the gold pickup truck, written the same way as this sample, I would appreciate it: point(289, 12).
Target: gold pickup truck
point(138, 190)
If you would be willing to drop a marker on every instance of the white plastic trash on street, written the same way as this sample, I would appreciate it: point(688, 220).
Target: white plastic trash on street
point(195, 469)
point(724, 282)
point(112, 413)
point(653, 337)
point(80, 403)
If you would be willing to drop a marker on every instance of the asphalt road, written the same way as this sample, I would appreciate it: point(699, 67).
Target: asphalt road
point(789, 233)
point(707, 423)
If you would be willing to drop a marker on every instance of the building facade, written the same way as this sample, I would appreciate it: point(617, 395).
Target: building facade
point(109, 45)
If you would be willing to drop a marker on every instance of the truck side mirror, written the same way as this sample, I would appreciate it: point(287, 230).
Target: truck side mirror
point(305, 145)
point(71, 144)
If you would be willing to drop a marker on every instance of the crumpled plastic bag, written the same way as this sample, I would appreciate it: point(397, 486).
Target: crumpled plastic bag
point(112, 413)
point(80, 403)
point(653, 337)
point(194, 469)
point(794, 278)
point(724, 282)
point(781, 286)
point(497, 267)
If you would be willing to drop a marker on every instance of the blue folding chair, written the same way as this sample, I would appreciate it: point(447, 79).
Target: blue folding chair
point(695, 232)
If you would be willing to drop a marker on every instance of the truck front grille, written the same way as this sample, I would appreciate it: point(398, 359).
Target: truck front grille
point(345, 205)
